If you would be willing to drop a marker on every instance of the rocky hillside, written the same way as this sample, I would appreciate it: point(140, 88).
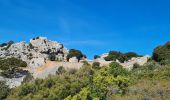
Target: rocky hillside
point(36, 52)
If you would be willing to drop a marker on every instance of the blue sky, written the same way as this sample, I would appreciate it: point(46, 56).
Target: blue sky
point(93, 26)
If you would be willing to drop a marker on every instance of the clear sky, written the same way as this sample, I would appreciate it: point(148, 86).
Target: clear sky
point(93, 26)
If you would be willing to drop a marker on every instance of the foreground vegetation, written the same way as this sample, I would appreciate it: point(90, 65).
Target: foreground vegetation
point(148, 82)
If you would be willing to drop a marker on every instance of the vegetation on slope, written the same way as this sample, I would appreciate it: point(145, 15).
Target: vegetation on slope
point(10, 66)
point(162, 54)
point(75, 53)
point(148, 82)
point(113, 55)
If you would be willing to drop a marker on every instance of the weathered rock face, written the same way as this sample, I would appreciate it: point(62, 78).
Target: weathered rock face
point(128, 64)
point(139, 60)
point(73, 59)
point(36, 52)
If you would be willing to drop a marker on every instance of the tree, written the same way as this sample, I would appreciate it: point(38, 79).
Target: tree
point(162, 53)
point(122, 57)
point(131, 54)
point(10, 65)
point(96, 56)
point(75, 53)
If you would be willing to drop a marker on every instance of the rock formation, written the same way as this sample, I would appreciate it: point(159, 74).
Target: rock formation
point(36, 52)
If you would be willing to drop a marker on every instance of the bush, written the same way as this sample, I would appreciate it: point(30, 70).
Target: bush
point(3, 44)
point(136, 65)
point(162, 53)
point(28, 78)
point(72, 71)
point(75, 53)
point(113, 55)
point(31, 46)
point(52, 57)
point(4, 90)
point(60, 70)
point(10, 65)
point(85, 63)
point(131, 54)
point(96, 56)
point(96, 65)
point(115, 69)
point(27, 89)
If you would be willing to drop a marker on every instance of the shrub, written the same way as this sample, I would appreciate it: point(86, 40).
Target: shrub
point(115, 69)
point(113, 55)
point(96, 65)
point(162, 53)
point(10, 65)
point(85, 63)
point(131, 54)
point(75, 53)
point(27, 89)
point(31, 46)
point(136, 65)
point(3, 44)
point(96, 56)
point(28, 78)
point(60, 70)
point(72, 71)
point(52, 57)
point(4, 90)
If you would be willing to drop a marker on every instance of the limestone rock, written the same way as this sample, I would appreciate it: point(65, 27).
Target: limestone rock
point(73, 59)
point(139, 60)
point(36, 62)
point(36, 52)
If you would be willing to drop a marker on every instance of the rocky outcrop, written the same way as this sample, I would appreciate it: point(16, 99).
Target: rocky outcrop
point(36, 52)
point(138, 60)
point(13, 82)
point(127, 64)
point(73, 59)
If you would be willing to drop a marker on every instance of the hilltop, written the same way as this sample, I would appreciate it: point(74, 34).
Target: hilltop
point(43, 57)
point(45, 69)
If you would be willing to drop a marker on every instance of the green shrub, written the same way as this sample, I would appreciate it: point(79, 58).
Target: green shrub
point(27, 89)
point(85, 63)
point(75, 53)
point(96, 65)
point(52, 57)
point(96, 56)
point(136, 66)
point(162, 53)
point(115, 69)
point(10, 65)
point(31, 46)
point(28, 78)
point(4, 90)
point(60, 70)
point(122, 57)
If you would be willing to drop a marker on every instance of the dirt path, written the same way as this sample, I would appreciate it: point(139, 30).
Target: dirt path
point(51, 67)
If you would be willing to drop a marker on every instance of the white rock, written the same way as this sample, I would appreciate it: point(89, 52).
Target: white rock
point(138, 60)
point(40, 50)
point(73, 59)
point(36, 62)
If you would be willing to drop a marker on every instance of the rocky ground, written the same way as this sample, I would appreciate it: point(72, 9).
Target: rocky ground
point(36, 55)
point(51, 67)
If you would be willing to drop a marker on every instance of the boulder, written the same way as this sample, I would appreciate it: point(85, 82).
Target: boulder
point(73, 59)
point(36, 62)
